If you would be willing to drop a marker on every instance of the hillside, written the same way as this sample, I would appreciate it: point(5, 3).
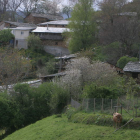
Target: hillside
point(58, 128)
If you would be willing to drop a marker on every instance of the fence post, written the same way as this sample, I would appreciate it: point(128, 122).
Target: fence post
point(117, 104)
point(87, 105)
point(111, 104)
point(94, 104)
point(121, 109)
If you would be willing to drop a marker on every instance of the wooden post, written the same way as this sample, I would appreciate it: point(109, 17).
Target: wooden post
point(121, 109)
point(136, 111)
point(111, 104)
point(117, 105)
point(87, 105)
point(94, 104)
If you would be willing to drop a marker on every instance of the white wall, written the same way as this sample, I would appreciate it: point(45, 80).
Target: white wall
point(21, 34)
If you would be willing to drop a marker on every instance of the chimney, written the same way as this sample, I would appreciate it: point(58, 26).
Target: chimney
point(47, 26)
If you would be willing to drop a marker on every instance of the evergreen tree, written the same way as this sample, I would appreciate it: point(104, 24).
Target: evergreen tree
point(82, 26)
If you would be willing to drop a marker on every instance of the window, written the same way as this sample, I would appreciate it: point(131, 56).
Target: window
point(22, 32)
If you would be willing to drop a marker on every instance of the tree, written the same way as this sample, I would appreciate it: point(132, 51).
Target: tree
point(5, 37)
point(34, 43)
point(3, 9)
point(82, 26)
point(81, 72)
point(67, 10)
point(29, 6)
point(51, 6)
point(124, 30)
point(13, 6)
point(110, 8)
point(13, 67)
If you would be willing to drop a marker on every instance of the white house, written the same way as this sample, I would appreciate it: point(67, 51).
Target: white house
point(21, 34)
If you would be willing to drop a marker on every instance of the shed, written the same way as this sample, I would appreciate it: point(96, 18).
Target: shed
point(50, 77)
point(10, 24)
point(132, 69)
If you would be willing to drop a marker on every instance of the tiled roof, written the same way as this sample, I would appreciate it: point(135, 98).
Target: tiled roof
point(132, 67)
point(18, 24)
point(23, 28)
point(48, 16)
point(128, 14)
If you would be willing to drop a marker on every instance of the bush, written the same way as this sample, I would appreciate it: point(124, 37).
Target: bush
point(124, 60)
point(34, 43)
point(93, 91)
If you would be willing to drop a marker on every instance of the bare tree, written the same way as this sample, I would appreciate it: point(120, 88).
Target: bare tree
point(51, 7)
point(110, 8)
point(3, 8)
point(13, 6)
point(27, 6)
point(124, 30)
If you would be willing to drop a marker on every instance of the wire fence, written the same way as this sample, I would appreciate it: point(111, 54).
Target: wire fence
point(109, 106)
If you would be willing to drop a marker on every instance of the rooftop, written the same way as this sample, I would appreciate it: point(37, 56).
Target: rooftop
point(58, 22)
point(49, 30)
point(19, 24)
point(48, 16)
point(132, 67)
point(23, 28)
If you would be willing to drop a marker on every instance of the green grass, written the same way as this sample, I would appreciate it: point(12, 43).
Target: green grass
point(59, 128)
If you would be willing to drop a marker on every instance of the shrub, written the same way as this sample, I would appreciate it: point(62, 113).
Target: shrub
point(124, 60)
point(59, 99)
point(93, 91)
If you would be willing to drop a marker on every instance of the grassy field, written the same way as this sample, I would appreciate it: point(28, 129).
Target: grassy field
point(59, 128)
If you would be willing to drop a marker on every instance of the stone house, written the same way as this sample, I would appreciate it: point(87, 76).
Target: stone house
point(39, 18)
point(132, 69)
point(52, 39)
point(10, 24)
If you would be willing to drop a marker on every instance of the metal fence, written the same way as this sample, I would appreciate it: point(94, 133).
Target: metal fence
point(123, 105)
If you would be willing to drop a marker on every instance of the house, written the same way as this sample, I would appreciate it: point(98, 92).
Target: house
point(10, 24)
point(39, 18)
point(129, 14)
point(52, 39)
point(21, 34)
point(132, 69)
point(58, 23)
point(63, 61)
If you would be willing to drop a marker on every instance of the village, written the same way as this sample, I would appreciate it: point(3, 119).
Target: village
point(81, 71)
